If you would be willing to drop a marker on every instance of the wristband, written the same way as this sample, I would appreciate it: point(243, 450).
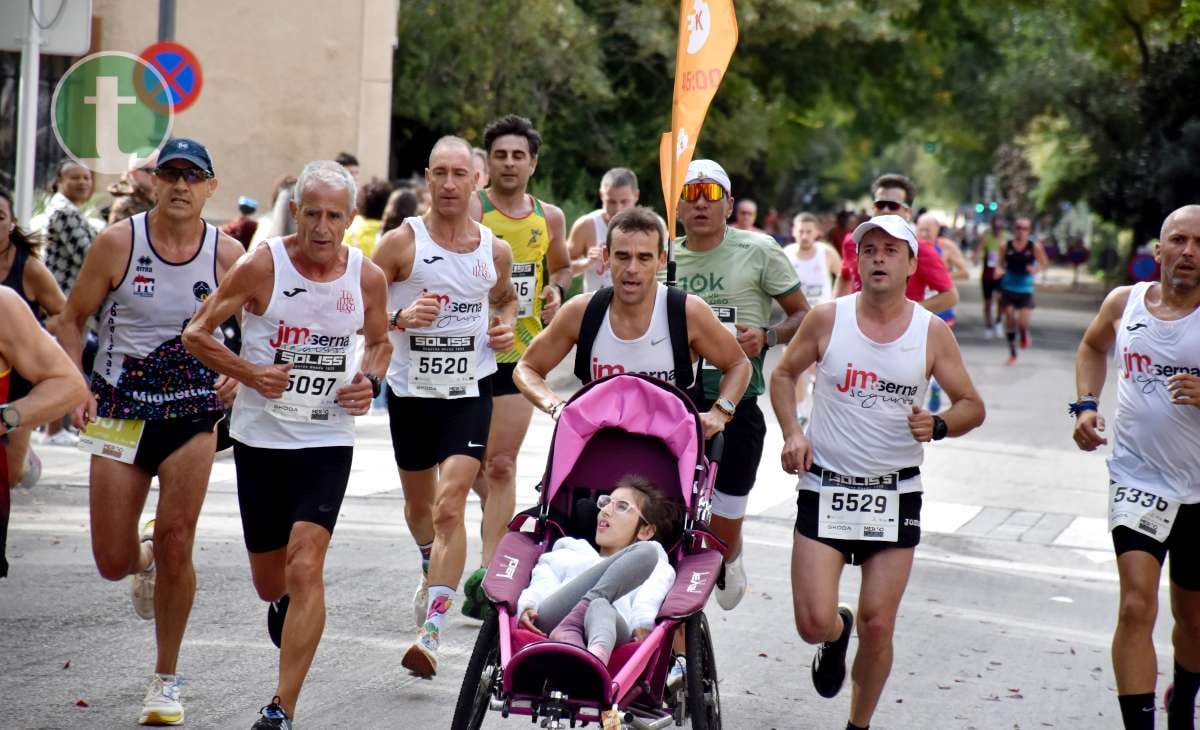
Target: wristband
point(376, 384)
point(940, 429)
point(562, 293)
point(1074, 409)
point(396, 321)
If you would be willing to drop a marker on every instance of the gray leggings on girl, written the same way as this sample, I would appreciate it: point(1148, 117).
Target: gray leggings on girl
point(602, 584)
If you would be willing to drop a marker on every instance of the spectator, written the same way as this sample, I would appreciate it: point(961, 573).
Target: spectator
point(68, 232)
point(363, 232)
point(479, 160)
point(401, 204)
point(134, 192)
point(348, 161)
point(243, 227)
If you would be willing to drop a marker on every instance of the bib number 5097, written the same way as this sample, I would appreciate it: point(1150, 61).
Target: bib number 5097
point(851, 502)
point(1137, 496)
point(308, 385)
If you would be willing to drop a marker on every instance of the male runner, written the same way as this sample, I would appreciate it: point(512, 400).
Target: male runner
point(158, 405)
point(56, 386)
point(618, 192)
point(536, 233)
point(304, 297)
point(817, 264)
point(860, 485)
point(1153, 497)
point(744, 216)
point(738, 273)
point(1023, 259)
point(929, 228)
point(931, 284)
point(634, 332)
point(450, 287)
point(988, 254)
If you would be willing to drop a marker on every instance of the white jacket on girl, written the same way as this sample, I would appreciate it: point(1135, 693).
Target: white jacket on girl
point(571, 556)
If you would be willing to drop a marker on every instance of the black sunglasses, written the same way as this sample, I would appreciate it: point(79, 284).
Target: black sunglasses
point(191, 175)
point(888, 205)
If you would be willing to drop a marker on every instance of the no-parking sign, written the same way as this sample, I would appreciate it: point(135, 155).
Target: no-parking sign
point(180, 70)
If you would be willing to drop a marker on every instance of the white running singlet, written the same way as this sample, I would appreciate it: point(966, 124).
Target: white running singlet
point(650, 354)
point(815, 281)
point(448, 358)
point(1156, 443)
point(314, 326)
point(863, 396)
point(142, 370)
point(593, 277)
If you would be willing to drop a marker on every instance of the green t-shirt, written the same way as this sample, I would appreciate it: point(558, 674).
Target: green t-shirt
point(991, 246)
point(738, 279)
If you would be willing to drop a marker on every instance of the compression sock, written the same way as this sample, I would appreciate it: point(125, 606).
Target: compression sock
point(852, 726)
point(440, 600)
point(1182, 708)
point(426, 551)
point(1012, 343)
point(1137, 711)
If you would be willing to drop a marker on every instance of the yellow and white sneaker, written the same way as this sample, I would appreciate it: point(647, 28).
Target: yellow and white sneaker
point(162, 706)
point(143, 581)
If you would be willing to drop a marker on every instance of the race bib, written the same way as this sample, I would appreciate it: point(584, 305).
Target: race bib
point(113, 438)
point(1142, 511)
point(311, 394)
point(991, 259)
point(524, 279)
point(442, 367)
point(859, 508)
point(727, 315)
point(813, 292)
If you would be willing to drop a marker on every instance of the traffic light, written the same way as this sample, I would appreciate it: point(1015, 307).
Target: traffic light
point(992, 206)
point(979, 207)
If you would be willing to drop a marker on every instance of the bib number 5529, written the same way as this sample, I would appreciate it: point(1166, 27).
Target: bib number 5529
point(841, 502)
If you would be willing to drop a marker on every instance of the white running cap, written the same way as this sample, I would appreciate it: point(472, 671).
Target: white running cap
point(710, 170)
point(893, 225)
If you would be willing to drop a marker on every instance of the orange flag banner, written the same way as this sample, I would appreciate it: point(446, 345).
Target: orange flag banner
point(708, 33)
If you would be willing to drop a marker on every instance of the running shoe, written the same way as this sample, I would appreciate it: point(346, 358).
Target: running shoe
point(998, 328)
point(65, 437)
point(272, 717)
point(989, 332)
point(162, 705)
point(33, 471)
point(829, 665)
point(1026, 340)
point(420, 604)
point(276, 613)
point(421, 658)
point(143, 580)
point(733, 589)
point(475, 602)
point(1012, 360)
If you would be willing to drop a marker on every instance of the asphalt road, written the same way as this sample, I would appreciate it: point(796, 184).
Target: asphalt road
point(1006, 622)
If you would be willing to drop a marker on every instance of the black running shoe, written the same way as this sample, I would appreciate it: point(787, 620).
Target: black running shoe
point(272, 717)
point(276, 613)
point(829, 665)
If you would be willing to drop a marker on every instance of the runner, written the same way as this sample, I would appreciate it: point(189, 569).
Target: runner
point(445, 272)
point(626, 329)
point(536, 233)
point(305, 297)
point(158, 406)
point(988, 254)
point(817, 264)
point(55, 385)
point(618, 192)
point(745, 214)
point(738, 274)
point(1023, 258)
point(864, 447)
point(23, 272)
point(929, 228)
point(1154, 499)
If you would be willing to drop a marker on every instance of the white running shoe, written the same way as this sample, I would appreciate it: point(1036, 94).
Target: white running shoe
point(143, 580)
point(162, 705)
point(65, 437)
point(420, 604)
point(988, 332)
point(735, 585)
point(998, 328)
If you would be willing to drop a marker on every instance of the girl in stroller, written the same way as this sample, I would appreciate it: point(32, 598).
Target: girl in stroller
point(600, 599)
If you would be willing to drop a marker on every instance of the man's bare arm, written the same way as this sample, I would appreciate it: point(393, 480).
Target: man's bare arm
point(103, 267)
point(546, 351)
point(58, 386)
point(803, 350)
point(241, 286)
point(967, 410)
point(713, 342)
point(796, 306)
point(558, 258)
point(377, 348)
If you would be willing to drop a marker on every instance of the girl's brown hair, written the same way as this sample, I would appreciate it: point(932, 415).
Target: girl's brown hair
point(661, 513)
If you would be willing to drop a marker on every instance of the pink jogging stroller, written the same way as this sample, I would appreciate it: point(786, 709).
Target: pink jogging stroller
point(611, 427)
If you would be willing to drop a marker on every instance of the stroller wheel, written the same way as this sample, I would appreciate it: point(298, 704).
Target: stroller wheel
point(479, 682)
point(703, 692)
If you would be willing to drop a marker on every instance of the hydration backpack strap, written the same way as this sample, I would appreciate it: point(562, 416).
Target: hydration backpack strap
point(677, 325)
point(593, 317)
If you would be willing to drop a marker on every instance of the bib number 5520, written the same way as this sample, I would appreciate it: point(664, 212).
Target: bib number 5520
point(443, 366)
point(852, 502)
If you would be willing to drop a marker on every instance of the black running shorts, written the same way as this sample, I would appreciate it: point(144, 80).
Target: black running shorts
point(160, 439)
point(279, 487)
point(744, 436)
point(989, 283)
point(501, 381)
point(427, 431)
point(858, 552)
point(1183, 544)
point(1016, 299)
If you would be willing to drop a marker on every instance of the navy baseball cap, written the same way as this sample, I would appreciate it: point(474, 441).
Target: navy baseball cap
point(182, 148)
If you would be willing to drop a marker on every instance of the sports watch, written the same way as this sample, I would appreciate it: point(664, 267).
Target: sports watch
point(940, 429)
point(11, 417)
point(726, 406)
point(376, 384)
point(771, 336)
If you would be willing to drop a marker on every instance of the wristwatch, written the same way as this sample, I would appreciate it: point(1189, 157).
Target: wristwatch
point(940, 429)
point(376, 384)
point(11, 417)
point(726, 406)
point(771, 335)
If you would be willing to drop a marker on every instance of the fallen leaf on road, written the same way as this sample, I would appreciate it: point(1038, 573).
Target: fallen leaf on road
point(81, 703)
point(67, 665)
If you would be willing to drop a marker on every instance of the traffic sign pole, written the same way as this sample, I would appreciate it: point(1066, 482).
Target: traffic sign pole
point(27, 102)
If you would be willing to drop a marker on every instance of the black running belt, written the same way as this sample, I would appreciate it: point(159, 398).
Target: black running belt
point(593, 318)
point(907, 472)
